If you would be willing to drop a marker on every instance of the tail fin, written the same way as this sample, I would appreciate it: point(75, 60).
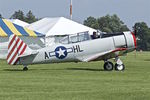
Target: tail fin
point(16, 48)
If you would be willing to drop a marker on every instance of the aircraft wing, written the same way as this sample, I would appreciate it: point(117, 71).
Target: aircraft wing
point(103, 55)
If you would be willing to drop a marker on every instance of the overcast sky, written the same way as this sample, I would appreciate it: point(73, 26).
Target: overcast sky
point(130, 11)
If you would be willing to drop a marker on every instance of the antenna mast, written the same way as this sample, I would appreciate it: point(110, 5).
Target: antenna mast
point(71, 9)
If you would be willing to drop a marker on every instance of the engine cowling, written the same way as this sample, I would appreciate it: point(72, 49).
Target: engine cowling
point(130, 40)
point(125, 40)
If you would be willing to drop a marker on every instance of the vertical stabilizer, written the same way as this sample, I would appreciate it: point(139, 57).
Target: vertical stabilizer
point(16, 48)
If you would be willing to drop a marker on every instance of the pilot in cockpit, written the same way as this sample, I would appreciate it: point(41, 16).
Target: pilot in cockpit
point(95, 35)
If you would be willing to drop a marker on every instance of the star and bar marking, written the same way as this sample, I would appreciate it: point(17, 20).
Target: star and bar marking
point(61, 52)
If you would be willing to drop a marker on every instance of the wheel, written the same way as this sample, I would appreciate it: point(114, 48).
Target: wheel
point(108, 66)
point(25, 68)
point(119, 67)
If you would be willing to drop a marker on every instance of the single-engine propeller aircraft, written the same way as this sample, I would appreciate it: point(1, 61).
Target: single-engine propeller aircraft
point(76, 48)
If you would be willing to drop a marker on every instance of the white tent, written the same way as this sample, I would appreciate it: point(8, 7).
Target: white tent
point(18, 22)
point(58, 26)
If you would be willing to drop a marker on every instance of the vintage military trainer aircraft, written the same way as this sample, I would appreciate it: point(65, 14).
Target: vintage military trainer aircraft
point(76, 48)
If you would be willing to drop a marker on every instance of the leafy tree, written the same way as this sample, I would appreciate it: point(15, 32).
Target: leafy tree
point(112, 23)
point(106, 23)
point(1, 16)
point(18, 15)
point(91, 22)
point(30, 18)
point(106, 29)
point(143, 35)
point(124, 28)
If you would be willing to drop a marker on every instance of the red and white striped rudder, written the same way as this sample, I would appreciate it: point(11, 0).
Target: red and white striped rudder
point(16, 48)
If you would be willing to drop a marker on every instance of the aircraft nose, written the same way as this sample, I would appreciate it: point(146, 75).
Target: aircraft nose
point(130, 40)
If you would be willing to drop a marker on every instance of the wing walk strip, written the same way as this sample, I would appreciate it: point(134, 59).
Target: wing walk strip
point(16, 48)
point(8, 28)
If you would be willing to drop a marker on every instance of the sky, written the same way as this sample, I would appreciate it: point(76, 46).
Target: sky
point(129, 11)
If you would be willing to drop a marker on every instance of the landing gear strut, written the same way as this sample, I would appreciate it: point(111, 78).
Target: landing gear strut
point(25, 68)
point(119, 66)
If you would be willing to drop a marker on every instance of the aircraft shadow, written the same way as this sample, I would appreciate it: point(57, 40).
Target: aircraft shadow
point(16, 70)
point(19, 70)
point(85, 69)
point(146, 59)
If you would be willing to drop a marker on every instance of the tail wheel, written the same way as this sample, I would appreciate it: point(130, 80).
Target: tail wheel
point(108, 66)
point(119, 67)
point(25, 68)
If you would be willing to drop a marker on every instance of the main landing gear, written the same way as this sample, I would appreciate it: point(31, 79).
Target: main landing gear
point(25, 68)
point(119, 66)
point(108, 66)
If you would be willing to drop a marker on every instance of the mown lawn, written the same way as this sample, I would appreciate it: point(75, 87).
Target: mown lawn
point(77, 81)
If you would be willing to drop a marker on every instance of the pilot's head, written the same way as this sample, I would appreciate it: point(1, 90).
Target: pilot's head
point(94, 33)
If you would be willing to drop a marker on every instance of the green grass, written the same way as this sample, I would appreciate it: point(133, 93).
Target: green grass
point(77, 81)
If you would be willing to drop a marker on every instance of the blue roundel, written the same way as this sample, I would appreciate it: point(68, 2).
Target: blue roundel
point(61, 52)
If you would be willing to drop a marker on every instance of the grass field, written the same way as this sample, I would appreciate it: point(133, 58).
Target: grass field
point(77, 81)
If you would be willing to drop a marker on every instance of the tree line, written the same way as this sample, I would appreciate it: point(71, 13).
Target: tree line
point(29, 17)
point(108, 23)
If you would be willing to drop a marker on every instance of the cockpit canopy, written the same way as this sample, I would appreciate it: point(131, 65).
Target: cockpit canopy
point(79, 37)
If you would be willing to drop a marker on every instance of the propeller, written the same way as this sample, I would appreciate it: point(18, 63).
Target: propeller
point(135, 33)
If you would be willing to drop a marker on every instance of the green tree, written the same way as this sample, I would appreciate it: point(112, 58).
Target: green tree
point(1, 16)
point(106, 29)
point(112, 23)
point(91, 22)
point(18, 15)
point(106, 23)
point(30, 18)
point(143, 35)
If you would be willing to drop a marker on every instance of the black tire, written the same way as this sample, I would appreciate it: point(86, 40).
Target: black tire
point(25, 68)
point(108, 66)
point(119, 67)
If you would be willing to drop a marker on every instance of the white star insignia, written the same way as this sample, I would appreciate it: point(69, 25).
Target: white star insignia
point(61, 52)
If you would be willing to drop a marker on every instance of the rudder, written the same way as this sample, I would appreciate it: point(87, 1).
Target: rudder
point(16, 48)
